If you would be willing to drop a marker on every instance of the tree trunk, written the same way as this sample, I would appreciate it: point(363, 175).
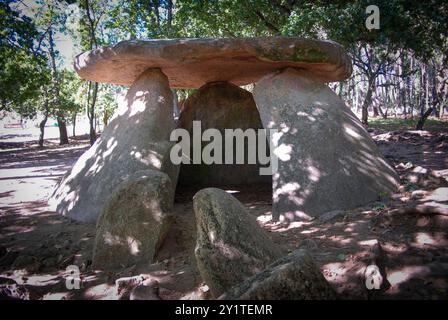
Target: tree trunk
point(44, 121)
point(367, 102)
point(170, 15)
point(91, 111)
point(383, 114)
point(74, 125)
point(42, 130)
point(92, 133)
point(63, 135)
point(421, 121)
point(105, 119)
point(91, 102)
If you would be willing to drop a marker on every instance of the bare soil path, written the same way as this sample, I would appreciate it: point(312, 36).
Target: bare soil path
point(36, 244)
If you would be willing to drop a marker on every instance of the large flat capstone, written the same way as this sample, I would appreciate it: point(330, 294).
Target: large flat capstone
point(191, 63)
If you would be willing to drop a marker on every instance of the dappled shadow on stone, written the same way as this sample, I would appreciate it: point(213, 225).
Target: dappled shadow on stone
point(327, 160)
point(136, 139)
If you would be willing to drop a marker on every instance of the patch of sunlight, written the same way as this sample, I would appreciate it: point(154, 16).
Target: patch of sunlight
point(440, 195)
point(90, 278)
point(71, 199)
point(111, 239)
point(283, 152)
point(271, 124)
point(341, 240)
point(423, 239)
point(313, 173)
point(276, 136)
point(39, 280)
point(138, 105)
point(56, 296)
point(334, 272)
point(133, 245)
point(351, 132)
point(302, 216)
point(152, 159)
point(111, 145)
point(12, 230)
point(265, 218)
point(101, 291)
point(310, 231)
point(156, 211)
point(121, 110)
point(293, 225)
point(287, 188)
point(404, 274)
point(304, 114)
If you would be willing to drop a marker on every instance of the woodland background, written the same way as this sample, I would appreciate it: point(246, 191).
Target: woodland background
point(400, 70)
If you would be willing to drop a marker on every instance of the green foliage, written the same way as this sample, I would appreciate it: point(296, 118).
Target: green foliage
point(69, 102)
point(379, 206)
point(417, 25)
point(22, 65)
point(107, 102)
point(141, 19)
point(411, 187)
point(28, 75)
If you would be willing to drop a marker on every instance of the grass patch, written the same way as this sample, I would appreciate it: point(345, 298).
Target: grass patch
point(408, 124)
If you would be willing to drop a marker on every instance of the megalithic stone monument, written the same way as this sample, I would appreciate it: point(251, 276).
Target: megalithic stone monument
point(327, 160)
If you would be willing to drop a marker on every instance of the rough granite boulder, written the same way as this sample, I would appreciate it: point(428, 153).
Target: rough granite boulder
point(134, 221)
point(293, 277)
point(136, 139)
point(220, 105)
point(230, 246)
point(326, 159)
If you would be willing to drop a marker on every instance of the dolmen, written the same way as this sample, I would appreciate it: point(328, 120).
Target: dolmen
point(326, 158)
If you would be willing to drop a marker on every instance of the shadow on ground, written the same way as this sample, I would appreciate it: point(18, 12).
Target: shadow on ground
point(37, 245)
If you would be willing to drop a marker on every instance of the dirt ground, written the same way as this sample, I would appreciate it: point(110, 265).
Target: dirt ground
point(36, 245)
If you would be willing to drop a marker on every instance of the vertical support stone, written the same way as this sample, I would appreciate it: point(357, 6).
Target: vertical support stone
point(137, 138)
point(327, 159)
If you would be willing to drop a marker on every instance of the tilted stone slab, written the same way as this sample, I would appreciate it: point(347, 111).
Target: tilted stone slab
point(134, 222)
point(191, 63)
point(230, 246)
point(326, 159)
point(136, 139)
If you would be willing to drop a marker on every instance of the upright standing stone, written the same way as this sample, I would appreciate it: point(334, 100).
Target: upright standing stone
point(230, 246)
point(221, 105)
point(136, 139)
point(134, 221)
point(327, 159)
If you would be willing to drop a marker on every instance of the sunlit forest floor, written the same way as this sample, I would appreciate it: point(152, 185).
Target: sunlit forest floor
point(411, 225)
